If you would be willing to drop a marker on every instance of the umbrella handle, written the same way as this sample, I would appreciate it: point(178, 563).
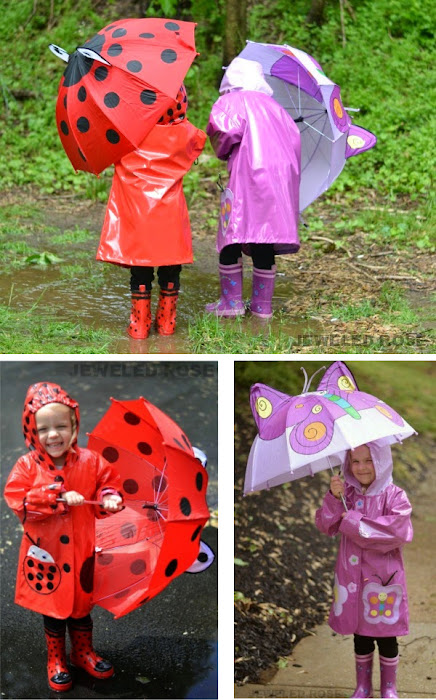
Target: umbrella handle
point(342, 495)
point(90, 503)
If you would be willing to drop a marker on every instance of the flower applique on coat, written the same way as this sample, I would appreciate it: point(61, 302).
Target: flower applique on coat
point(56, 558)
point(370, 593)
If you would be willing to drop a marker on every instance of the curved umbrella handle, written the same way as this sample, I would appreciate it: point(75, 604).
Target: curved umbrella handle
point(342, 495)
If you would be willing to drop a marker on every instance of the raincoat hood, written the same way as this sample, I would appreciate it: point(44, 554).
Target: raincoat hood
point(381, 455)
point(39, 395)
point(244, 75)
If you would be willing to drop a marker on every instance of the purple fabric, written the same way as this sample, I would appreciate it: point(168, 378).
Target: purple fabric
point(261, 144)
point(370, 594)
point(388, 677)
point(230, 302)
point(363, 676)
point(289, 69)
point(263, 290)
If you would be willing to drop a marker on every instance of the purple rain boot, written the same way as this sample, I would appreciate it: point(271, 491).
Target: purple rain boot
point(388, 677)
point(363, 676)
point(230, 302)
point(263, 290)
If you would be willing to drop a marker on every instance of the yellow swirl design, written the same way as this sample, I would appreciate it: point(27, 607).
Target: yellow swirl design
point(263, 407)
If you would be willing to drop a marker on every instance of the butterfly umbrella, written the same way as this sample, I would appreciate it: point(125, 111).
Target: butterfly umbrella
point(142, 548)
point(117, 85)
point(301, 435)
point(328, 137)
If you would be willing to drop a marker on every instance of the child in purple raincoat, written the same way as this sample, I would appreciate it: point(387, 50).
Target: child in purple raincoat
point(370, 595)
point(259, 208)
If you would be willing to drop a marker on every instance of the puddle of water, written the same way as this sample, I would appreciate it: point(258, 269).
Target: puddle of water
point(110, 307)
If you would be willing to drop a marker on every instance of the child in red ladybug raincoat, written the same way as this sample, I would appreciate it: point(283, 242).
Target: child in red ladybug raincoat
point(147, 222)
point(46, 489)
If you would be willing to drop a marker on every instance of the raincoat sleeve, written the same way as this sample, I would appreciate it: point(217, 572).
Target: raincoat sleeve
point(108, 482)
point(225, 130)
point(384, 533)
point(30, 502)
point(328, 517)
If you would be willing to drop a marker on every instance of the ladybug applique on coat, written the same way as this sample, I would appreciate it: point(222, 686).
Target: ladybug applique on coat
point(56, 559)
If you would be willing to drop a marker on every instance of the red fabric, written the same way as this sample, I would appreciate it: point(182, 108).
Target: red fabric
point(56, 559)
point(157, 536)
point(147, 221)
point(105, 110)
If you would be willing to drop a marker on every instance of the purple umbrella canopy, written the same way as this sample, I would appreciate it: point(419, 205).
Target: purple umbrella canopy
point(328, 137)
point(301, 435)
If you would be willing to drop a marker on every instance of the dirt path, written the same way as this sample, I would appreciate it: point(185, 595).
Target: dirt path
point(322, 664)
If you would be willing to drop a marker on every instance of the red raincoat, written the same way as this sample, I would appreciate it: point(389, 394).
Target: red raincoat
point(56, 559)
point(147, 221)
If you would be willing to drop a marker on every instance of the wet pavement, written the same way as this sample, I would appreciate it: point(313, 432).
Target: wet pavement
point(168, 648)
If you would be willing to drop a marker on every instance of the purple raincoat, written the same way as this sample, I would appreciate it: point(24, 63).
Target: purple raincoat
point(370, 594)
point(261, 143)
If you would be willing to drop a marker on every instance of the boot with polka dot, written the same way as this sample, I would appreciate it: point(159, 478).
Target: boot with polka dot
point(166, 311)
point(140, 315)
point(59, 678)
point(82, 652)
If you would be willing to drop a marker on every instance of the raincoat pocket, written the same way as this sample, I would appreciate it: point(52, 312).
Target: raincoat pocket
point(381, 604)
point(226, 212)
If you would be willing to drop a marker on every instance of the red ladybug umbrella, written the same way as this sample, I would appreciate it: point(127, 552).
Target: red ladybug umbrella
point(117, 86)
point(141, 549)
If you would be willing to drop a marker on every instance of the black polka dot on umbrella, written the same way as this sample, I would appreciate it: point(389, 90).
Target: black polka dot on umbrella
point(144, 448)
point(115, 50)
point(65, 101)
point(111, 100)
point(199, 481)
point(196, 533)
point(118, 33)
point(122, 594)
point(130, 486)
point(185, 440)
point(83, 125)
point(105, 559)
point(81, 154)
point(64, 539)
point(179, 444)
point(111, 454)
point(66, 568)
point(171, 568)
point(148, 97)
point(147, 35)
point(96, 43)
point(185, 507)
point(108, 29)
point(82, 94)
point(134, 66)
point(168, 56)
point(159, 483)
point(172, 26)
point(112, 136)
point(101, 73)
point(128, 530)
point(131, 418)
point(138, 567)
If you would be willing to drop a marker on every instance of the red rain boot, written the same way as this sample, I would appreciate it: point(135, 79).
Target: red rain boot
point(82, 652)
point(140, 315)
point(59, 678)
point(166, 311)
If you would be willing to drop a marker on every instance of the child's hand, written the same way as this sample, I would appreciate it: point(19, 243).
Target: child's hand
point(73, 498)
point(112, 503)
point(337, 486)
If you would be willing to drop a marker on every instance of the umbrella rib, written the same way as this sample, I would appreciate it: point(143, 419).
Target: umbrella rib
point(318, 131)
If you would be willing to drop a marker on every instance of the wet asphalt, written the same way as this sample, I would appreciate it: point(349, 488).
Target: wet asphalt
point(168, 648)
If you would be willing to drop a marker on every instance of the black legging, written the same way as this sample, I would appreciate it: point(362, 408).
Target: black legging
point(387, 646)
point(261, 253)
point(166, 275)
point(57, 626)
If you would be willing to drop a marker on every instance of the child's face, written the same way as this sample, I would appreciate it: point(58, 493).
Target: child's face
point(55, 430)
point(361, 465)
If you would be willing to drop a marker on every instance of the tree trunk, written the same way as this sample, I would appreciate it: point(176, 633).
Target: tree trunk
point(316, 12)
point(235, 29)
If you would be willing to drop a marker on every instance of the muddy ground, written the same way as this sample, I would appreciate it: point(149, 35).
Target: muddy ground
point(328, 270)
point(284, 565)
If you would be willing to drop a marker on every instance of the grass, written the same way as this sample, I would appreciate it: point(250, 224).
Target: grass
point(38, 335)
point(208, 334)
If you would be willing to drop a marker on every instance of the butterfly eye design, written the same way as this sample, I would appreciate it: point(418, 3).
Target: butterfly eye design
point(346, 384)
point(313, 426)
point(317, 408)
point(263, 407)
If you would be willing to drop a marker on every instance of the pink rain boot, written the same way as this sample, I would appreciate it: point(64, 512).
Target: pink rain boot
point(363, 676)
point(263, 290)
point(388, 677)
point(230, 302)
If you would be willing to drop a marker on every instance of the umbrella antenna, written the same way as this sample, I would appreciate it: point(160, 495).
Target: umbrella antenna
point(313, 376)
point(305, 379)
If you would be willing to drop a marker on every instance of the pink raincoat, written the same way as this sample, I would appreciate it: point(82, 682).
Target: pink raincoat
point(261, 143)
point(370, 594)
